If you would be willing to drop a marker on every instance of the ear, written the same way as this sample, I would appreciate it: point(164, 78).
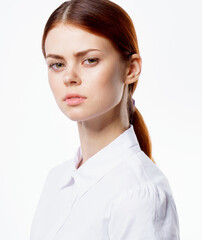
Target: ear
point(134, 69)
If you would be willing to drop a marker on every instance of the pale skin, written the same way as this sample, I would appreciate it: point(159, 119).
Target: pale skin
point(99, 74)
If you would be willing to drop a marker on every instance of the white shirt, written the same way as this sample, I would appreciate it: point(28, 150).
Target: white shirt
point(117, 194)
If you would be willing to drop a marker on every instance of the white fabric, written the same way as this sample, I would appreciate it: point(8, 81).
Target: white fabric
point(117, 194)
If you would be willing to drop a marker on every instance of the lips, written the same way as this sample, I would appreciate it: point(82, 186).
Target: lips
point(73, 95)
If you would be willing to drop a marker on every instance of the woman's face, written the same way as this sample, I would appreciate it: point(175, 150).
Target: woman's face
point(81, 63)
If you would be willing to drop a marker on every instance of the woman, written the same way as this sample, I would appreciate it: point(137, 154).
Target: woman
point(111, 189)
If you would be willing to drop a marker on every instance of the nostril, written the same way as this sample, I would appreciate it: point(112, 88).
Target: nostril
point(71, 80)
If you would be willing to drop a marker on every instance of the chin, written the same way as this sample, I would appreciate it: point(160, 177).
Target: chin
point(80, 115)
point(77, 117)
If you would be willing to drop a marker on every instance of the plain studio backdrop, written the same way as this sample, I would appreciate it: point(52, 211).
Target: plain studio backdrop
point(36, 136)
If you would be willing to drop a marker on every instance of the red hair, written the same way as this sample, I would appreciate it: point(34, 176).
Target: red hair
point(107, 19)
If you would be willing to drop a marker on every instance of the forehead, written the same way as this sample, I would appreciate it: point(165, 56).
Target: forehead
point(67, 37)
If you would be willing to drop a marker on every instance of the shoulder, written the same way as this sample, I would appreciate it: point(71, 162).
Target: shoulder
point(146, 171)
point(145, 211)
point(144, 197)
point(145, 208)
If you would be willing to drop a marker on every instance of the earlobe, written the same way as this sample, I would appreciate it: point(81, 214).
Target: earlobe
point(134, 69)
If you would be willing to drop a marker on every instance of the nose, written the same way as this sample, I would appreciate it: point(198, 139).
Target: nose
point(71, 77)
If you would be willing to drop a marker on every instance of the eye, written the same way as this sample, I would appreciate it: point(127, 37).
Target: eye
point(90, 61)
point(56, 66)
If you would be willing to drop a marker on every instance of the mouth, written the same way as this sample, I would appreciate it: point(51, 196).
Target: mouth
point(73, 96)
point(74, 99)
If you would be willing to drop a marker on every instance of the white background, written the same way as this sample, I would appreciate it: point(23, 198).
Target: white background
point(36, 136)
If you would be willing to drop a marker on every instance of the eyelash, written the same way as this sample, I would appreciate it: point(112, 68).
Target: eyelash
point(52, 64)
point(95, 60)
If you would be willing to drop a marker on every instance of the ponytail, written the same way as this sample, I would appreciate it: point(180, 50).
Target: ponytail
point(142, 133)
point(140, 129)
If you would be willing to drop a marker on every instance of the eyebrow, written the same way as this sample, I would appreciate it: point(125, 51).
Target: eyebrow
point(78, 54)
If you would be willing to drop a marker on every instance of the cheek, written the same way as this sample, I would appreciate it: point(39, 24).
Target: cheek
point(53, 83)
point(111, 81)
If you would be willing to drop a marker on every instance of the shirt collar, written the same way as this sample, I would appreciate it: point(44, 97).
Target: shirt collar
point(100, 163)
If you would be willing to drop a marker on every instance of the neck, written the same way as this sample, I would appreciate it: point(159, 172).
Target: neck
point(94, 135)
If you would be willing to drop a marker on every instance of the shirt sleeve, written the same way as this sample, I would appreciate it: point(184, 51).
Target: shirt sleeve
point(143, 213)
